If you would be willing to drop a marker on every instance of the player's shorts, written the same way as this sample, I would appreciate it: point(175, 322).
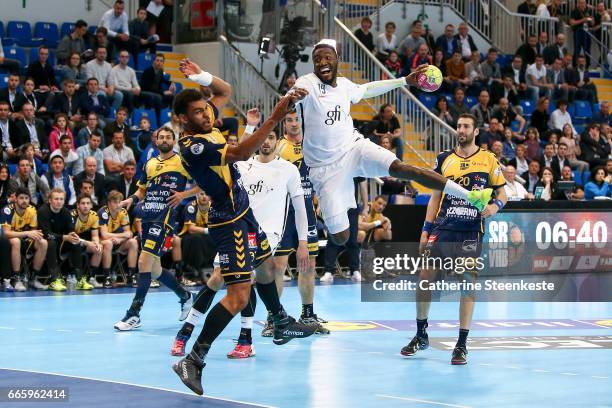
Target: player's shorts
point(290, 240)
point(334, 183)
point(241, 246)
point(445, 243)
point(27, 247)
point(156, 237)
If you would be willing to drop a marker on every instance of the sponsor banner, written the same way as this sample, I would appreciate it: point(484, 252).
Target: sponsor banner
point(526, 343)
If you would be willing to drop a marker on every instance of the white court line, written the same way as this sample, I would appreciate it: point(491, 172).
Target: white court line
point(137, 385)
point(382, 325)
point(422, 401)
point(64, 330)
point(35, 329)
point(569, 374)
point(592, 324)
point(537, 370)
point(375, 352)
point(599, 377)
point(513, 367)
point(93, 332)
point(7, 328)
point(485, 364)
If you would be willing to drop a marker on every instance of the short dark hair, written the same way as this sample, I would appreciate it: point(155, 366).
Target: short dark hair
point(43, 47)
point(69, 81)
point(390, 24)
point(102, 30)
point(160, 55)
point(64, 137)
point(366, 20)
point(122, 109)
point(93, 78)
point(166, 129)
point(96, 133)
point(5, 103)
point(563, 144)
point(381, 197)
point(492, 50)
point(87, 181)
point(82, 197)
point(80, 24)
point(184, 98)
point(129, 163)
point(562, 102)
point(119, 2)
point(22, 191)
point(539, 56)
point(469, 116)
point(118, 132)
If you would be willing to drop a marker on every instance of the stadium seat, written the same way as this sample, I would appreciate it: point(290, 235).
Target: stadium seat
point(577, 177)
point(150, 113)
point(8, 42)
point(67, 28)
point(16, 53)
point(449, 98)
point(551, 106)
point(585, 177)
point(422, 199)
point(515, 125)
point(528, 108)
point(428, 100)
point(4, 80)
point(178, 86)
point(165, 115)
point(145, 60)
point(470, 101)
point(92, 29)
point(21, 31)
point(571, 109)
point(12, 168)
point(583, 110)
point(34, 56)
point(49, 32)
point(596, 108)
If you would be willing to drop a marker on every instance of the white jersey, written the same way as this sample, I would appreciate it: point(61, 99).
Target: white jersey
point(270, 186)
point(326, 118)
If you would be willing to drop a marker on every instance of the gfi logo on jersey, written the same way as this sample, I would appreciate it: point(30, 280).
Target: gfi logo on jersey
point(255, 188)
point(252, 240)
point(464, 165)
point(155, 231)
point(333, 116)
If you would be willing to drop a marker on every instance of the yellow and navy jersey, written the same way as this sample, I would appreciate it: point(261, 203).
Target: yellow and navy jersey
point(374, 216)
point(476, 172)
point(84, 228)
point(158, 180)
point(193, 215)
point(203, 156)
point(113, 224)
point(292, 152)
point(24, 222)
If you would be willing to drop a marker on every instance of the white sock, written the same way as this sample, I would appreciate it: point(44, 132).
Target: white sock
point(194, 316)
point(455, 190)
point(246, 322)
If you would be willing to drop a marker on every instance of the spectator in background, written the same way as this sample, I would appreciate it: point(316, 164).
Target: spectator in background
point(68, 155)
point(491, 69)
point(579, 77)
point(532, 176)
point(542, 40)
point(42, 73)
point(101, 40)
point(420, 57)
point(560, 160)
point(100, 69)
point(375, 227)
point(413, 41)
point(94, 101)
point(555, 75)
point(115, 21)
point(120, 124)
point(548, 182)
point(8, 133)
point(116, 154)
point(149, 151)
point(143, 138)
point(482, 110)
point(441, 111)
point(27, 151)
point(175, 124)
point(526, 7)
point(439, 61)
point(532, 143)
point(74, 70)
point(506, 115)
point(455, 72)
point(24, 177)
point(91, 125)
point(60, 128)
point(393, 64)
point(90, 173)
point(126, 182)
point(560, 117)
point(153, 82)
point(139, 34)
point(520, 161)
point(493, 134)
point(27, 95)
point(509, 147)
point(458, 107)
point(518, 73)
point(595, 150)
point(11, 65)
point(603, 114)
point(32, 130)
point(66, 102)
point(536, 77)
point(364, 34)
point(598, 185)
point(556, 50)
point(387, 41)
point(556, 11)
point(547, 159)
point(473, 72)
point(388, 125)
point(540, 116)
point(497, 148)
point(446, 42)
point(402, 189)
point(58, 178)
point(505, 89)
point(581, 20)
point(514, 190)
point(10, 93)
point(5, 188)
point(123, 79)
point(609, 167)
point(72, 43)
point(90, 149)
point(464, 42)
point(528, 50)
point(576, 194)
point(572, 141)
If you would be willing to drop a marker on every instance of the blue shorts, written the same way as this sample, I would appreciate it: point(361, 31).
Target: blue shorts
point(242, 246)
point(445, 243)
point(156, 238)
point(290, 241)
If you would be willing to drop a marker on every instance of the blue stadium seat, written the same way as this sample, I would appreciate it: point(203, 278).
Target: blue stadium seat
point(449, 98)
point(145, 60)
point(596, 108)
point(583, 110)
point(580, 127)
point(470, 101)
point(4, 80)
point(21, 31)
point(92, 29)
point(8, 42)
point(150, 113)
point(165, 115)
point(428, 100)
point(551, 106)
point(585, 177)
point(577, 177)
point(67, 28)
point(515, 125)
point(422, 199)
point(528, 107)
point(16, 53)
point(34, 56)
point(49, 32)
point(571, 109)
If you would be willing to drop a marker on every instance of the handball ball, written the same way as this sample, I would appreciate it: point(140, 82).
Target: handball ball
point(431, 79)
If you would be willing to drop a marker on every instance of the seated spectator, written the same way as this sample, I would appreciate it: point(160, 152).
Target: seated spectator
point(153, 81)
point(420, 57)
point(388, 125)
point(197, 246)
point(455, 73)
point(520, 161)
point(603, 115)
point(609, 167)
point(126, 182)
point(95, 102)
point(5, 186)
point(91, 174)
point(497, 148)
point(100, 69)
point(505, 89)
point(572, 141)
point(518, 73)
point(387, 41)
point(536, 77)
point(482, 111)
point(73, 43)
point(473, 72)
point(540, 116)
point(509, 147)
point(42, 73)
point(514, 190)
point(560, 117)
point(576, 194)
point(542, 38)
point(69, 156)
point(595, 150)
point(555, 75)
point(493, 134)
point(458, 107)
point(375, 227)
point(116, 154)
point(139, 33)
point(123, 79)
point(364, 35)
point(90, 149)
point(528, 50)
point(491, 70)
point(67, 103)
point(87, 188)
point(27, 95)
point(446, 42)
point(547, 181)
point(440, 63)
point(149, 151)
point(60, 128)
point(143, 138)
point(27, 151)
point(101, 40)
point(10, 93)
point(119, 124)
point(441, 111)
point(75, 71)
point(175, 124)
point(91, 125)
point(402, 189)
point(8, 133)
point(547, 159)
point(116, 22)
point(532, 143)
point(413, 41)
point(57, 178)
point(560, 160)
point(24, 177)
point(556, 50)
point(579, 77)
point(506, 115)
point(393, 64)
point(11, 65)
point(464, 42)
point(598, 185)
point(32, 130)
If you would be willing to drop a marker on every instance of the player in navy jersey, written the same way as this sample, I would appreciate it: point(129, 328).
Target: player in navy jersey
point(241, 243)
point(454, 228)
point(163, 176)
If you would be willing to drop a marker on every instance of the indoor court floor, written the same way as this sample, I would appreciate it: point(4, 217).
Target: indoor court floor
point(520, 355)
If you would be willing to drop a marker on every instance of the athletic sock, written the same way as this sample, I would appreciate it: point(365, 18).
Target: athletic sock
point(178, 269)
point(106, 272)
point(246, 326)
point(307, 310)
point(144, 282)
point(463, 334)
point(203, 300)
point(132, 271)
point(269, 295)
point(216, 321)
point(421, 326)
point(171, 283)
point(455, 190)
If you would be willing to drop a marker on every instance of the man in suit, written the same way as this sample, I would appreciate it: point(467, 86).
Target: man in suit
point(125, 183)
point(560, 160)
point(152, 84)
point(517, 70)
point(32, 130)
point(578, 77)
point(532, 176)
point(10, 93)
point(42, 73)
point(93, 101)
point(66, 102)
point(506, 89)
point(547, 160)
point(528, 50)
point(8, 133)
point(464, 42)
point(446, 42)
point(555, 75)
point(99, 181)
point(556, 50)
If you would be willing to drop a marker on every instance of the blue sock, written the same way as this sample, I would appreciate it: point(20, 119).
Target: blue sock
point(171, 283)
point(144, 281)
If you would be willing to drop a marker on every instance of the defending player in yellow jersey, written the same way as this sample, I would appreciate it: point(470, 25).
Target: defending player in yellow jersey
point(454, 228)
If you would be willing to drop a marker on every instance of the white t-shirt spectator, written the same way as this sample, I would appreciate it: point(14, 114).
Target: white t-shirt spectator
point(382, 44)
point(515, 191)
point(115, 25)
point(119, 156)
point(99, 71)
point(537, 74)
point(123, 78)
point(558, 119)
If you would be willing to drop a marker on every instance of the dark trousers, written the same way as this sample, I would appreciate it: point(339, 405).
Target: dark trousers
point(5, 254)
point(198, 250)
point(352, 246)
point(582, 45)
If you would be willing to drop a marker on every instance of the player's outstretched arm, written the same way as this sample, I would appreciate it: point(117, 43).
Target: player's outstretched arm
point(430, 217)
point(221, 90)
point(246, 148)
point(377, 88)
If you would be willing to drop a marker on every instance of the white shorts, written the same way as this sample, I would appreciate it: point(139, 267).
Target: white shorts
point(334, 184)
point(274, 239)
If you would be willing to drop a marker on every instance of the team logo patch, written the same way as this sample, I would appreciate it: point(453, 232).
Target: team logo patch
point(149, 244)
point(197, 148)
point(464, 165)
point(252, 240)
point(7, 211)
point(190, 209)
point(469, 246)
point(155, 231)
point(312, 233)
point(105, 215)
point(498, 171)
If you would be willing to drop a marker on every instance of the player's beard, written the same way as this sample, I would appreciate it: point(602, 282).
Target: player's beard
point(164, 148)
point(469, 139)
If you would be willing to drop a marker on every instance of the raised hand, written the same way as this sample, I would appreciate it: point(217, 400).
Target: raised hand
point(188, 67)
point(253, 117)
point(414, 75)
point(285, 105)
